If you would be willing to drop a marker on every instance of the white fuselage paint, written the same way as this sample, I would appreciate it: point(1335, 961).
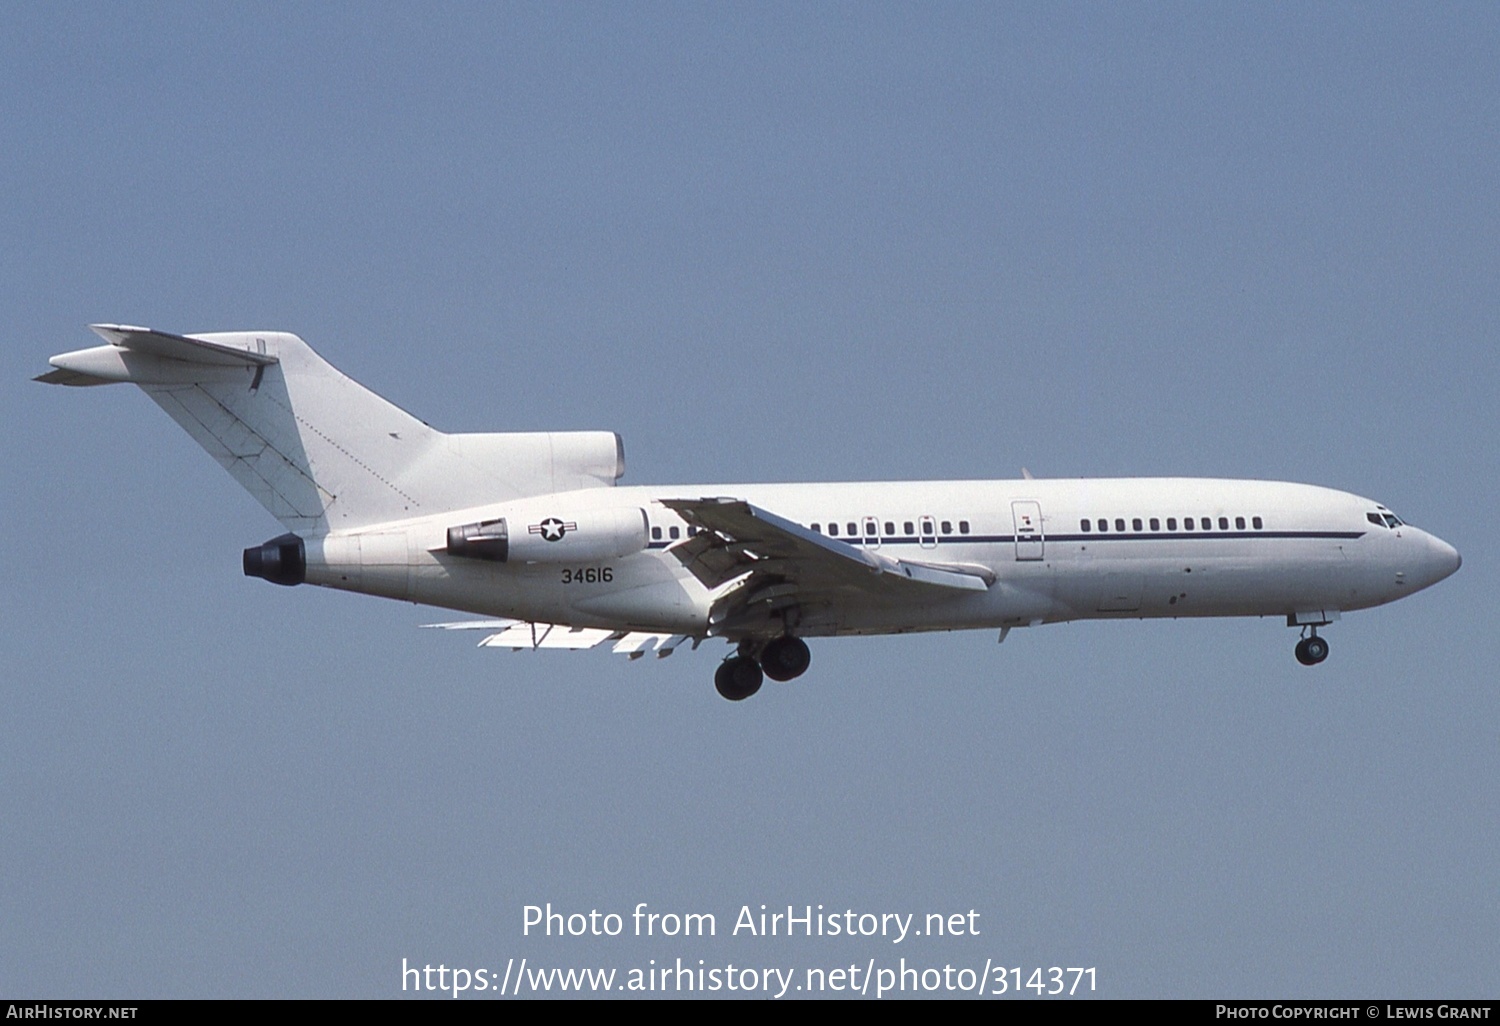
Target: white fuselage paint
point(1315, 554)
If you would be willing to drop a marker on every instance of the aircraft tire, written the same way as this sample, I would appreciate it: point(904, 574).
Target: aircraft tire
point(1312, 651)
point(785, 658)
point(737, 678)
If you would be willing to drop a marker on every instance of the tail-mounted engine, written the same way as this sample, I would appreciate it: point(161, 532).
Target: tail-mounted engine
point(562, 538)
point(281, 560)
point(487, 539)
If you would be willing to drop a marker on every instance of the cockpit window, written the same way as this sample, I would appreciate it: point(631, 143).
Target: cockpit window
point(1391, 520)
point(1384, 519)
point(1374, 518)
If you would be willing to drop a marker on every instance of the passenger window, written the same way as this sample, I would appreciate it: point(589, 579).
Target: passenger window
point(947, 527)
point(963, 527)
point(908, 528)
point(1171, 523)
point(890, 528)
point(1084, 526)
point(1223, 523)
point(871, 529)
point(1187, 523)
point(1255, 522)
point(1119, 523)
point(815, 529)
point(1155, 524)
point(674, 532)
point(1103, 525)
point(1136, 525)
point(1239, 523)
point(853, 528)
point(833, 529)
point(656, 534)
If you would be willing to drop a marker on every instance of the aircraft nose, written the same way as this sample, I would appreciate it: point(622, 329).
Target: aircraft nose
point(1451, 557)
point(1442, 559)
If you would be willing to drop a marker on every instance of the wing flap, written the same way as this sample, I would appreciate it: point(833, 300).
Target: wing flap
point(547, 635)
point(953, 575)
point(517, 635)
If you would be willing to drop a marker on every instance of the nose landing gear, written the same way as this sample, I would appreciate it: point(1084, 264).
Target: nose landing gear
point(1312, 649)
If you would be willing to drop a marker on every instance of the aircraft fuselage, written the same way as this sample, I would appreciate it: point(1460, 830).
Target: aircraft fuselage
point(533, 527)
point(1057, 549)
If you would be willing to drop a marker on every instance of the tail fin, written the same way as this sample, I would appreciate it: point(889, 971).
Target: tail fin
point(319, 450)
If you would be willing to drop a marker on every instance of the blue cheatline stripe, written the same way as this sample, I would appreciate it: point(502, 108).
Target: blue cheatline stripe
point(1210, 535)
point(1007, 539)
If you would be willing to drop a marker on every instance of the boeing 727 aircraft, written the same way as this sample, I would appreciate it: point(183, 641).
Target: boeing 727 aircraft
point(534, 529)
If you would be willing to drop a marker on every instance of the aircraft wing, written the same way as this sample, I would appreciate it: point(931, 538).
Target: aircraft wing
point(779, 563)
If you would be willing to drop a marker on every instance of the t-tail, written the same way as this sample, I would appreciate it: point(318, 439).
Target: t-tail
point(317, 449)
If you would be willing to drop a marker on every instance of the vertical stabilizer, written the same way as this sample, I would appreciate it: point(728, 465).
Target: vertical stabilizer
point(317, 449)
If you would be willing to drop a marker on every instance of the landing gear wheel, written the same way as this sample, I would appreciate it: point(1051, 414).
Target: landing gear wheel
point(1312, 651)
point(737, 678)
point(785, 658)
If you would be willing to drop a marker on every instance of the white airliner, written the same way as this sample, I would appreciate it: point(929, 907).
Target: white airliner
point(534, 528)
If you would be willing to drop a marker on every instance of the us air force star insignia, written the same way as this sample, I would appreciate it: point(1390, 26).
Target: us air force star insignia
point(552, 529)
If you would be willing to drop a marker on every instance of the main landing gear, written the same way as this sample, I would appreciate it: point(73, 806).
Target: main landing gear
point(740, 676)
point(785, 658)
point(1312, 649)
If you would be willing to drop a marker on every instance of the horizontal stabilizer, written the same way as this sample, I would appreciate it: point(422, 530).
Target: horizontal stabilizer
point(145, 357)
point(179, 347)
point(77, 379)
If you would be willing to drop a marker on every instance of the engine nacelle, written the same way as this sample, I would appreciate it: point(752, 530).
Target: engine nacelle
point(569, 537)
point(487, 539)
point(281, 560)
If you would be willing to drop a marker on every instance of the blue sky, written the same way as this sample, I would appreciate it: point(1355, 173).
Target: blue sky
point(769, 242)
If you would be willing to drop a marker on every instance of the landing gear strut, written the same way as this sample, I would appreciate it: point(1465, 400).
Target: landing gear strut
point(1312, 649)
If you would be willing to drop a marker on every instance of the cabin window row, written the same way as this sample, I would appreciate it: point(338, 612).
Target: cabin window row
point(1121, 525)
point(851, 529)
point(672, 532)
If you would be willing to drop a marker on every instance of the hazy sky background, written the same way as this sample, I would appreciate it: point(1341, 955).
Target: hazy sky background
point(763, 242)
